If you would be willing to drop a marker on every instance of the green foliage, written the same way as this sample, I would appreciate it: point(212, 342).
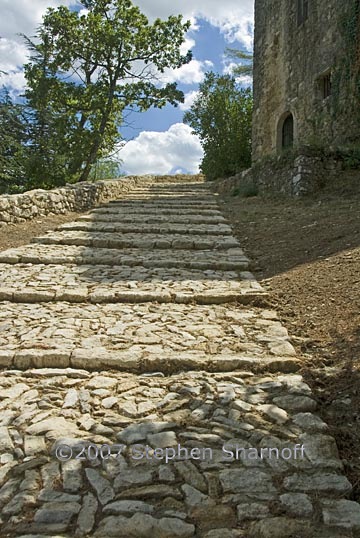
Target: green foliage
point(86, 69)
point(13, 125)
point(245, 69)
point(105, 169)
point(221, 116)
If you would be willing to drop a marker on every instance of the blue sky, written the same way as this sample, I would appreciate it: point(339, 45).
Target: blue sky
point(158, 141)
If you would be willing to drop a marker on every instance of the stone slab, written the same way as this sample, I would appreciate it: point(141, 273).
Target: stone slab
point(102, 283)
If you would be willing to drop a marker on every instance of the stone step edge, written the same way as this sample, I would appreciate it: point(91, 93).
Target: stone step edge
point(243, 265)
point(108, 241)
point(89, 359)
point(149, 218)
point(143, 230)
point(81, 295)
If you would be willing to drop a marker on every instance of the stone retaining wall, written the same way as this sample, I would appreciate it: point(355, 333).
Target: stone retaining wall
point(16, 208)
point(302, 174)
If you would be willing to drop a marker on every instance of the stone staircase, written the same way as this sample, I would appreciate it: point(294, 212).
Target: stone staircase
point(139, 326)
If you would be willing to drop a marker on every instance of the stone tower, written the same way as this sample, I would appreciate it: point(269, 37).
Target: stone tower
point(306, 75)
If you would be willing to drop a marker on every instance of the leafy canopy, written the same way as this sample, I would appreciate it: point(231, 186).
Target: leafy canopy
point(221, 116)
point(88, 67)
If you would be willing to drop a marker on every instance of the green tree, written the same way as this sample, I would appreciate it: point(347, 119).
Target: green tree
point(88, 68)
point(221, 116)
point(13, 134)
point(245, 68)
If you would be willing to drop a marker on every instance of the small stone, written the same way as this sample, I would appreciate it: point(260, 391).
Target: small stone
point(138, 432)
point(86, 519)
point(324, 482)
point(58, 426)
point(72, 475)
point(273, 411)
point(132, 477)
point(101, 382)
point(341, 513)
point(194, 497)
point(50, 495)
point(239, 481)
point(297, 504)
point(57, 513)
point(191, 475)
point(296, 404)
point(162, 440)
point(166, 474)
point(240, 405)
point(14, 392)
point(34, 445)
point(6, 444)
point(310, 422)
point(108, 403)
point(252, 511)
point(71, 399)
point(128, 507)
point(102, 486)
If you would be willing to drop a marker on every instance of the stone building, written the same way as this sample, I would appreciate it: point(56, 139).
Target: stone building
point(306, 75)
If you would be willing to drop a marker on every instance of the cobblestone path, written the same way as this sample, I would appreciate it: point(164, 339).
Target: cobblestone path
point(145, 392)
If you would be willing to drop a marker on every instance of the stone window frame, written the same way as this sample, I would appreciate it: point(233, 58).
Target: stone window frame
point(279, 130)
point(302, 11)
point(323, 85)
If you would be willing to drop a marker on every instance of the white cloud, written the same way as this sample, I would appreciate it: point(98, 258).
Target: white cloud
point(189, 100)
point(20, 17)
point(188, 44)
point(163, 152)
point(234, 18)
point(191, 73)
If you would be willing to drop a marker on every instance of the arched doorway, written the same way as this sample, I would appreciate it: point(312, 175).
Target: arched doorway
point(287, 132)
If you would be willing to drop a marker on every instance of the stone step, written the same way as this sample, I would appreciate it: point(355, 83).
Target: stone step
point(149, 228)
point(149, 196)
point(140, 240)
point(251, 457)
point(143, 337)
point(172, 192)
point(104, 284)
point(221, 260)
point(141, 209)
point(152, 218)
point(171, 203)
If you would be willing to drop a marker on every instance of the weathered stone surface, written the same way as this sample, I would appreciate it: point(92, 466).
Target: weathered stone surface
point(104, 491)
point(206, 377)
point(239, 481)
point(297, 504)
point(86, 518)
point(143, 525)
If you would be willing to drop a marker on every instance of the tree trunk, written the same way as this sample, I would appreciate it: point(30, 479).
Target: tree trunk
point(98, 137)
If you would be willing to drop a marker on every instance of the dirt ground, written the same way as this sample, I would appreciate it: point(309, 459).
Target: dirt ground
point(306, 252)
point(15, 235)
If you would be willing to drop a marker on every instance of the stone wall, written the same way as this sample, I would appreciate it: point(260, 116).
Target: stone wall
point(290, 61)
point(16, 208)
point(289, 175)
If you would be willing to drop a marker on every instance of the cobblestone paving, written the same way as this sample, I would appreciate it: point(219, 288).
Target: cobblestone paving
point(146, 392)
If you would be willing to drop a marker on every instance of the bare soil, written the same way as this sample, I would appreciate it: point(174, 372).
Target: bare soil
point(15, 235)
point(306, 252)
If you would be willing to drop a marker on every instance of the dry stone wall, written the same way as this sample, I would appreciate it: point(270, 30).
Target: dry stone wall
point(16, 208)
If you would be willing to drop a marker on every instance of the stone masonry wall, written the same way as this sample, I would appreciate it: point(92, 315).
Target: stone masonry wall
point(289, 61)
point(300, 175)
point(16, 208)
